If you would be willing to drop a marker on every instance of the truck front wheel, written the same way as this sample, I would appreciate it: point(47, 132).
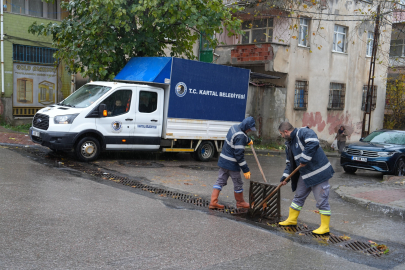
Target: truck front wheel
point(88, 149)
point(205, 151)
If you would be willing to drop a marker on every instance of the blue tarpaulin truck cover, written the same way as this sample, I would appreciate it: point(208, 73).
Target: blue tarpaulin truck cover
point(197, 90)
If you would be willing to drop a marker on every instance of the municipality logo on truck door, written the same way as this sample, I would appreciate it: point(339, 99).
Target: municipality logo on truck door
point(181, 89)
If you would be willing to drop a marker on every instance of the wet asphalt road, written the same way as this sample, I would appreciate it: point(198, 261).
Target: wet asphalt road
point(52, 219)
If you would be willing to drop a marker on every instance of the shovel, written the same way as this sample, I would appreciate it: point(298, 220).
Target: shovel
point(256, 207)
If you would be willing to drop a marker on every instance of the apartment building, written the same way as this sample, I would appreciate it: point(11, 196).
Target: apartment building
point(31, 80)
point(318, 60)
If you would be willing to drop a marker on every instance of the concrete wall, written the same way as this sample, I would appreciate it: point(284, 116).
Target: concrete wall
point(267, 106)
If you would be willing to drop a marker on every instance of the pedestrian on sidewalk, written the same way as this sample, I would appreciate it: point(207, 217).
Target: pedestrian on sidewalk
point(341, 138)
point(231, 161)
point(302, 148)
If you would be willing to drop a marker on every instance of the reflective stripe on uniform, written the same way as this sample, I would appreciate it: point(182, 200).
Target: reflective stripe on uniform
point(306, 157)
point(242, 163)
point(238, 191)
point(296, 206)
point(227, 158)
point(285, 174)
point(325, 212)
point(218, 187)
point(299, 141)
point(321, 169)
point(311, 140)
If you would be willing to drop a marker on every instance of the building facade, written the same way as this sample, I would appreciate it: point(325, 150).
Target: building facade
point(321, 57)
point(31, 78)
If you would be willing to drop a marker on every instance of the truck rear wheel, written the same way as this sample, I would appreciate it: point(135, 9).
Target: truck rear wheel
point(205, 151)
point(88, 149)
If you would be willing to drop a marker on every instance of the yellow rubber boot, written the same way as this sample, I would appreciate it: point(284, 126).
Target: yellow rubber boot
point(324, 228)
point(292, 218)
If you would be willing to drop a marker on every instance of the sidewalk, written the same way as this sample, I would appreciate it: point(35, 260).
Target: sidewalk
point(14, 137)
point(387, 197)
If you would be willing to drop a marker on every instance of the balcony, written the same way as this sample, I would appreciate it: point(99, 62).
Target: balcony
point(272, 56)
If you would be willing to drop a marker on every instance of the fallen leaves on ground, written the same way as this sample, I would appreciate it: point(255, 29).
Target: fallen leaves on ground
point(315, 211)
point(345, 237)
point(345, 221)
point(189, 184)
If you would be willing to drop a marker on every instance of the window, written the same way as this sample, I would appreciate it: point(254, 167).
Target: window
point(118, 102)
point(147, 101)
point(397, 48)
point(301, 95)
point(370, 39)
point(18, 6)
point(364, 97)
point(257, 31)
point(339, 39)
point(35, 8)
point(31, 54)
point(52, 10)
point(303, 37)
point(336, 96)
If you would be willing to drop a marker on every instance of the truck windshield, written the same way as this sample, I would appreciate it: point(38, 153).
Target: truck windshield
point(85, 96)
point(386, 137)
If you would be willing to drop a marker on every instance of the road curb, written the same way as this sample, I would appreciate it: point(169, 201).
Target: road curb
point(372, 206)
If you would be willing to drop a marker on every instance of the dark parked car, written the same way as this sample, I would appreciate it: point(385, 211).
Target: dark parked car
point(382, 151)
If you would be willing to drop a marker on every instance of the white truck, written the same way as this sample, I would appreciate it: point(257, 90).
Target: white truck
point(154, 104)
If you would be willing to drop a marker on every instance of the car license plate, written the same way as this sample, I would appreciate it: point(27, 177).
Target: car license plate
point(35, 133)
point(363, 159)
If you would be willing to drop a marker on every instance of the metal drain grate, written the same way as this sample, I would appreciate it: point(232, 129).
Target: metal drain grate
point(158, 191)
point(257, 193)
point(363, 247)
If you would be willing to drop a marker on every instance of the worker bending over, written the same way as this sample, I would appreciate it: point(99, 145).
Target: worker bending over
point(231, 161)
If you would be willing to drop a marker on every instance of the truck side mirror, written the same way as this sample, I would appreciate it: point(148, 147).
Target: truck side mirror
point(102, 110)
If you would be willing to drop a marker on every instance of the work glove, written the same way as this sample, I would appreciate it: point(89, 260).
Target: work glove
point(251, 142)
point(247, 175)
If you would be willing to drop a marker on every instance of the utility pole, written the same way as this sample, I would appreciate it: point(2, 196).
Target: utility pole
point(365, 130)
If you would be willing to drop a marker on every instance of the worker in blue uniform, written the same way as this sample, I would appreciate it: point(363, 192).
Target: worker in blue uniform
point(232, 161)
point(302, 148)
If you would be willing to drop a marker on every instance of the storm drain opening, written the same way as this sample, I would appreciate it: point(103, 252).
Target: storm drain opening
point(363, 247)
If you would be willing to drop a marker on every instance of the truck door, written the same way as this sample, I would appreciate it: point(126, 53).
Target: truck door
point(118, 126)
point(149, 118)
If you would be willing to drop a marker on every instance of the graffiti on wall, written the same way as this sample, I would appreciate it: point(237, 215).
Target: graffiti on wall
point(333, 119)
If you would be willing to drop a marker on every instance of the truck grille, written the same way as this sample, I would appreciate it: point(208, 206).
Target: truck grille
point(41, 121)
point(362, 153)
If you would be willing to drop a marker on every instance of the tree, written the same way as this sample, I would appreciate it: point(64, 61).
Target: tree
point(99, 37)
point(395, 103)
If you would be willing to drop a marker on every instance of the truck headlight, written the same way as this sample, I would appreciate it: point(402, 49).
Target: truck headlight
point(386, 154)
point(65, 119)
